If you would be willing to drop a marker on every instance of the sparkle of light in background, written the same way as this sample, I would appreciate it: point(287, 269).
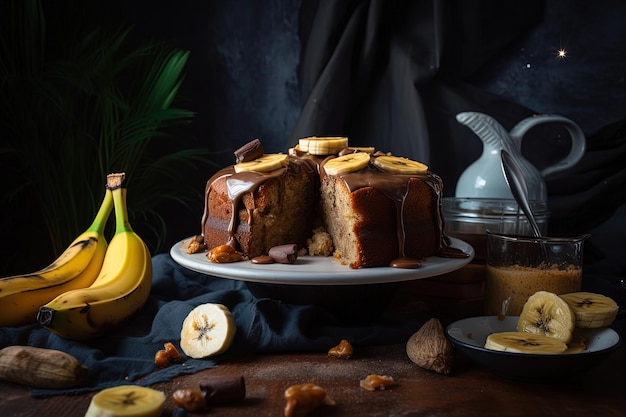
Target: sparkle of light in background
point(561, 54)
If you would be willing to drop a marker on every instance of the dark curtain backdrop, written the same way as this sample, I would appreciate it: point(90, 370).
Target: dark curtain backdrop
point(395, 74)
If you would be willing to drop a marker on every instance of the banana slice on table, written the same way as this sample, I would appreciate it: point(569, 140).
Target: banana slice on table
point(267, 163)
point(522, 342)
point(592, 310)
point(322, 145)
point(347, 163)
point(547, 314)
point(208, 330)
point(127, 401)
point(398, 165)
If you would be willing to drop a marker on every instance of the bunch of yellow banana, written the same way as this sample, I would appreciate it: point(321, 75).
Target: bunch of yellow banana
point(77, 267)
point(120, 289)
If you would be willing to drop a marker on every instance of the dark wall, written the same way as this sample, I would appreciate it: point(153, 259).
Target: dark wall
point(242, 69)
point(587, 85)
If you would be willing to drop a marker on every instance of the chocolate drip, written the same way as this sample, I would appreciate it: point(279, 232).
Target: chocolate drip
point(240, 183)
point(395, 187)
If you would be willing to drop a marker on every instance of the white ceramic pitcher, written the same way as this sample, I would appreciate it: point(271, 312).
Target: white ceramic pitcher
point(484, 177)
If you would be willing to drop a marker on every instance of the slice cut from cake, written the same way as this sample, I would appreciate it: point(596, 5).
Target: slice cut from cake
point(253, 210)
point(381, 211)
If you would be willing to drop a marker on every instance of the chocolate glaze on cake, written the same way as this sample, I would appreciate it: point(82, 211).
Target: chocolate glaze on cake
point(416, 200)
point(375, 218)
point(378, 218)
point(254, 211)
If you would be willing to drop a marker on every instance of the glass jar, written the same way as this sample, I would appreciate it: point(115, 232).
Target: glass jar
point(469, 219)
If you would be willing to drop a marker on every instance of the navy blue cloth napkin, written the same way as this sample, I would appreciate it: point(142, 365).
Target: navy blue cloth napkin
point(263, 326)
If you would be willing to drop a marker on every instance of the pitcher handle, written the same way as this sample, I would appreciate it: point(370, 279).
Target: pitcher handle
point(579, 143)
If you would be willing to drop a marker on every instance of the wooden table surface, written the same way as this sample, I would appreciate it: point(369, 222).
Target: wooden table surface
point(468, 391)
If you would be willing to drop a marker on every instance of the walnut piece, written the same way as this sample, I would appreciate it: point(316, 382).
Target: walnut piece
point(189, 399)
point(343, 350)
point(304, 398)
point(224, 254)
point(168, 356)
point(430, 349)
point(376, 382)
point(196, 245)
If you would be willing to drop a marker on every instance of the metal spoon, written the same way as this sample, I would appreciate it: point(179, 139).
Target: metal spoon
point(517, 184)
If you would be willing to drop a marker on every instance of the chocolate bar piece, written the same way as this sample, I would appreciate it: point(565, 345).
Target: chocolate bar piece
point(249, 152)
point(223, 389)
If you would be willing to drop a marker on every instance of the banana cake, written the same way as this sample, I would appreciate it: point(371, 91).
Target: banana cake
point(377, 209)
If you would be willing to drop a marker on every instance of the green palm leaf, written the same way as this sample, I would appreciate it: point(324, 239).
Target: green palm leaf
point(101, 103)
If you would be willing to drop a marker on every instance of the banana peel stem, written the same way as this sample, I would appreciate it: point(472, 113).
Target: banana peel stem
point(102, 216)
point(122, 224)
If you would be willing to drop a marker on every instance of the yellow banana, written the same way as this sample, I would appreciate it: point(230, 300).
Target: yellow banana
point(119, 291)
point(77, 267)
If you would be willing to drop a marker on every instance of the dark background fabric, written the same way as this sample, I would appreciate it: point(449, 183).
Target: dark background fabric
point(396, 74)
point(253, 65)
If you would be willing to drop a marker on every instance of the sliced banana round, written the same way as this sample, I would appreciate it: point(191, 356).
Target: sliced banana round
point(208, 330)
point(547, 314)
point(521, 342)
point(399, 165)
point(365, 149)
point(592, 310)
point(347, 163)
point(267, 163)
point(127, 401)
point(323, 145)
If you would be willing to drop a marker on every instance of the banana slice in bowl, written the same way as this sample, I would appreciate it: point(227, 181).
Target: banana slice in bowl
point(545, 313)
point(470, 335)
point(522, 342)
point(592, 310)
